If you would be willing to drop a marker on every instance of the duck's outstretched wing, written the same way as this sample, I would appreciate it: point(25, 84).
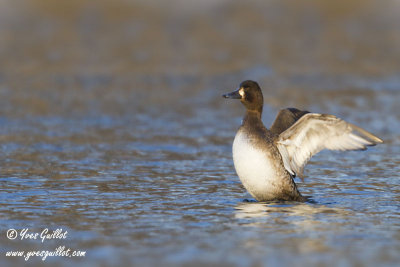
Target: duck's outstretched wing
point(286, 118)
point(314, 132)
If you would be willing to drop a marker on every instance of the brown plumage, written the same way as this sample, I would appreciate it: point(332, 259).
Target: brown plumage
point(267, 160)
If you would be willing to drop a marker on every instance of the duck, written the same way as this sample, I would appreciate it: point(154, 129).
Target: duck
point(268, 160)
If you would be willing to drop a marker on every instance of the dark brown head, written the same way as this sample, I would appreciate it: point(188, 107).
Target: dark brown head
point(250, 95)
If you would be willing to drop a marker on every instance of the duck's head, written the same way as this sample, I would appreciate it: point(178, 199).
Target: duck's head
point(250, 95)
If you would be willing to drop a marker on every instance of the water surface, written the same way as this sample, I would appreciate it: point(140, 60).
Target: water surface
point(113, 128)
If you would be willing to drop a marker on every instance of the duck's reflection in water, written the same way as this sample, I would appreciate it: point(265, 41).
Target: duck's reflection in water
point(250, 209)
point(301, 227)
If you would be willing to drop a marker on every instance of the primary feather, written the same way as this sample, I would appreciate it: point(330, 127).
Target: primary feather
point(314, 132)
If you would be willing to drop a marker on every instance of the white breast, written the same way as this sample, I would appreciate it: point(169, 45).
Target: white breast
point(254, 168)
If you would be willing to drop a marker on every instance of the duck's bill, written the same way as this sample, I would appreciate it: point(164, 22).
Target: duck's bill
point(233, 95)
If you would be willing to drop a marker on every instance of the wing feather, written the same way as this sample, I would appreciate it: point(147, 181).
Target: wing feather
point(314, 132)
point(286, 118)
